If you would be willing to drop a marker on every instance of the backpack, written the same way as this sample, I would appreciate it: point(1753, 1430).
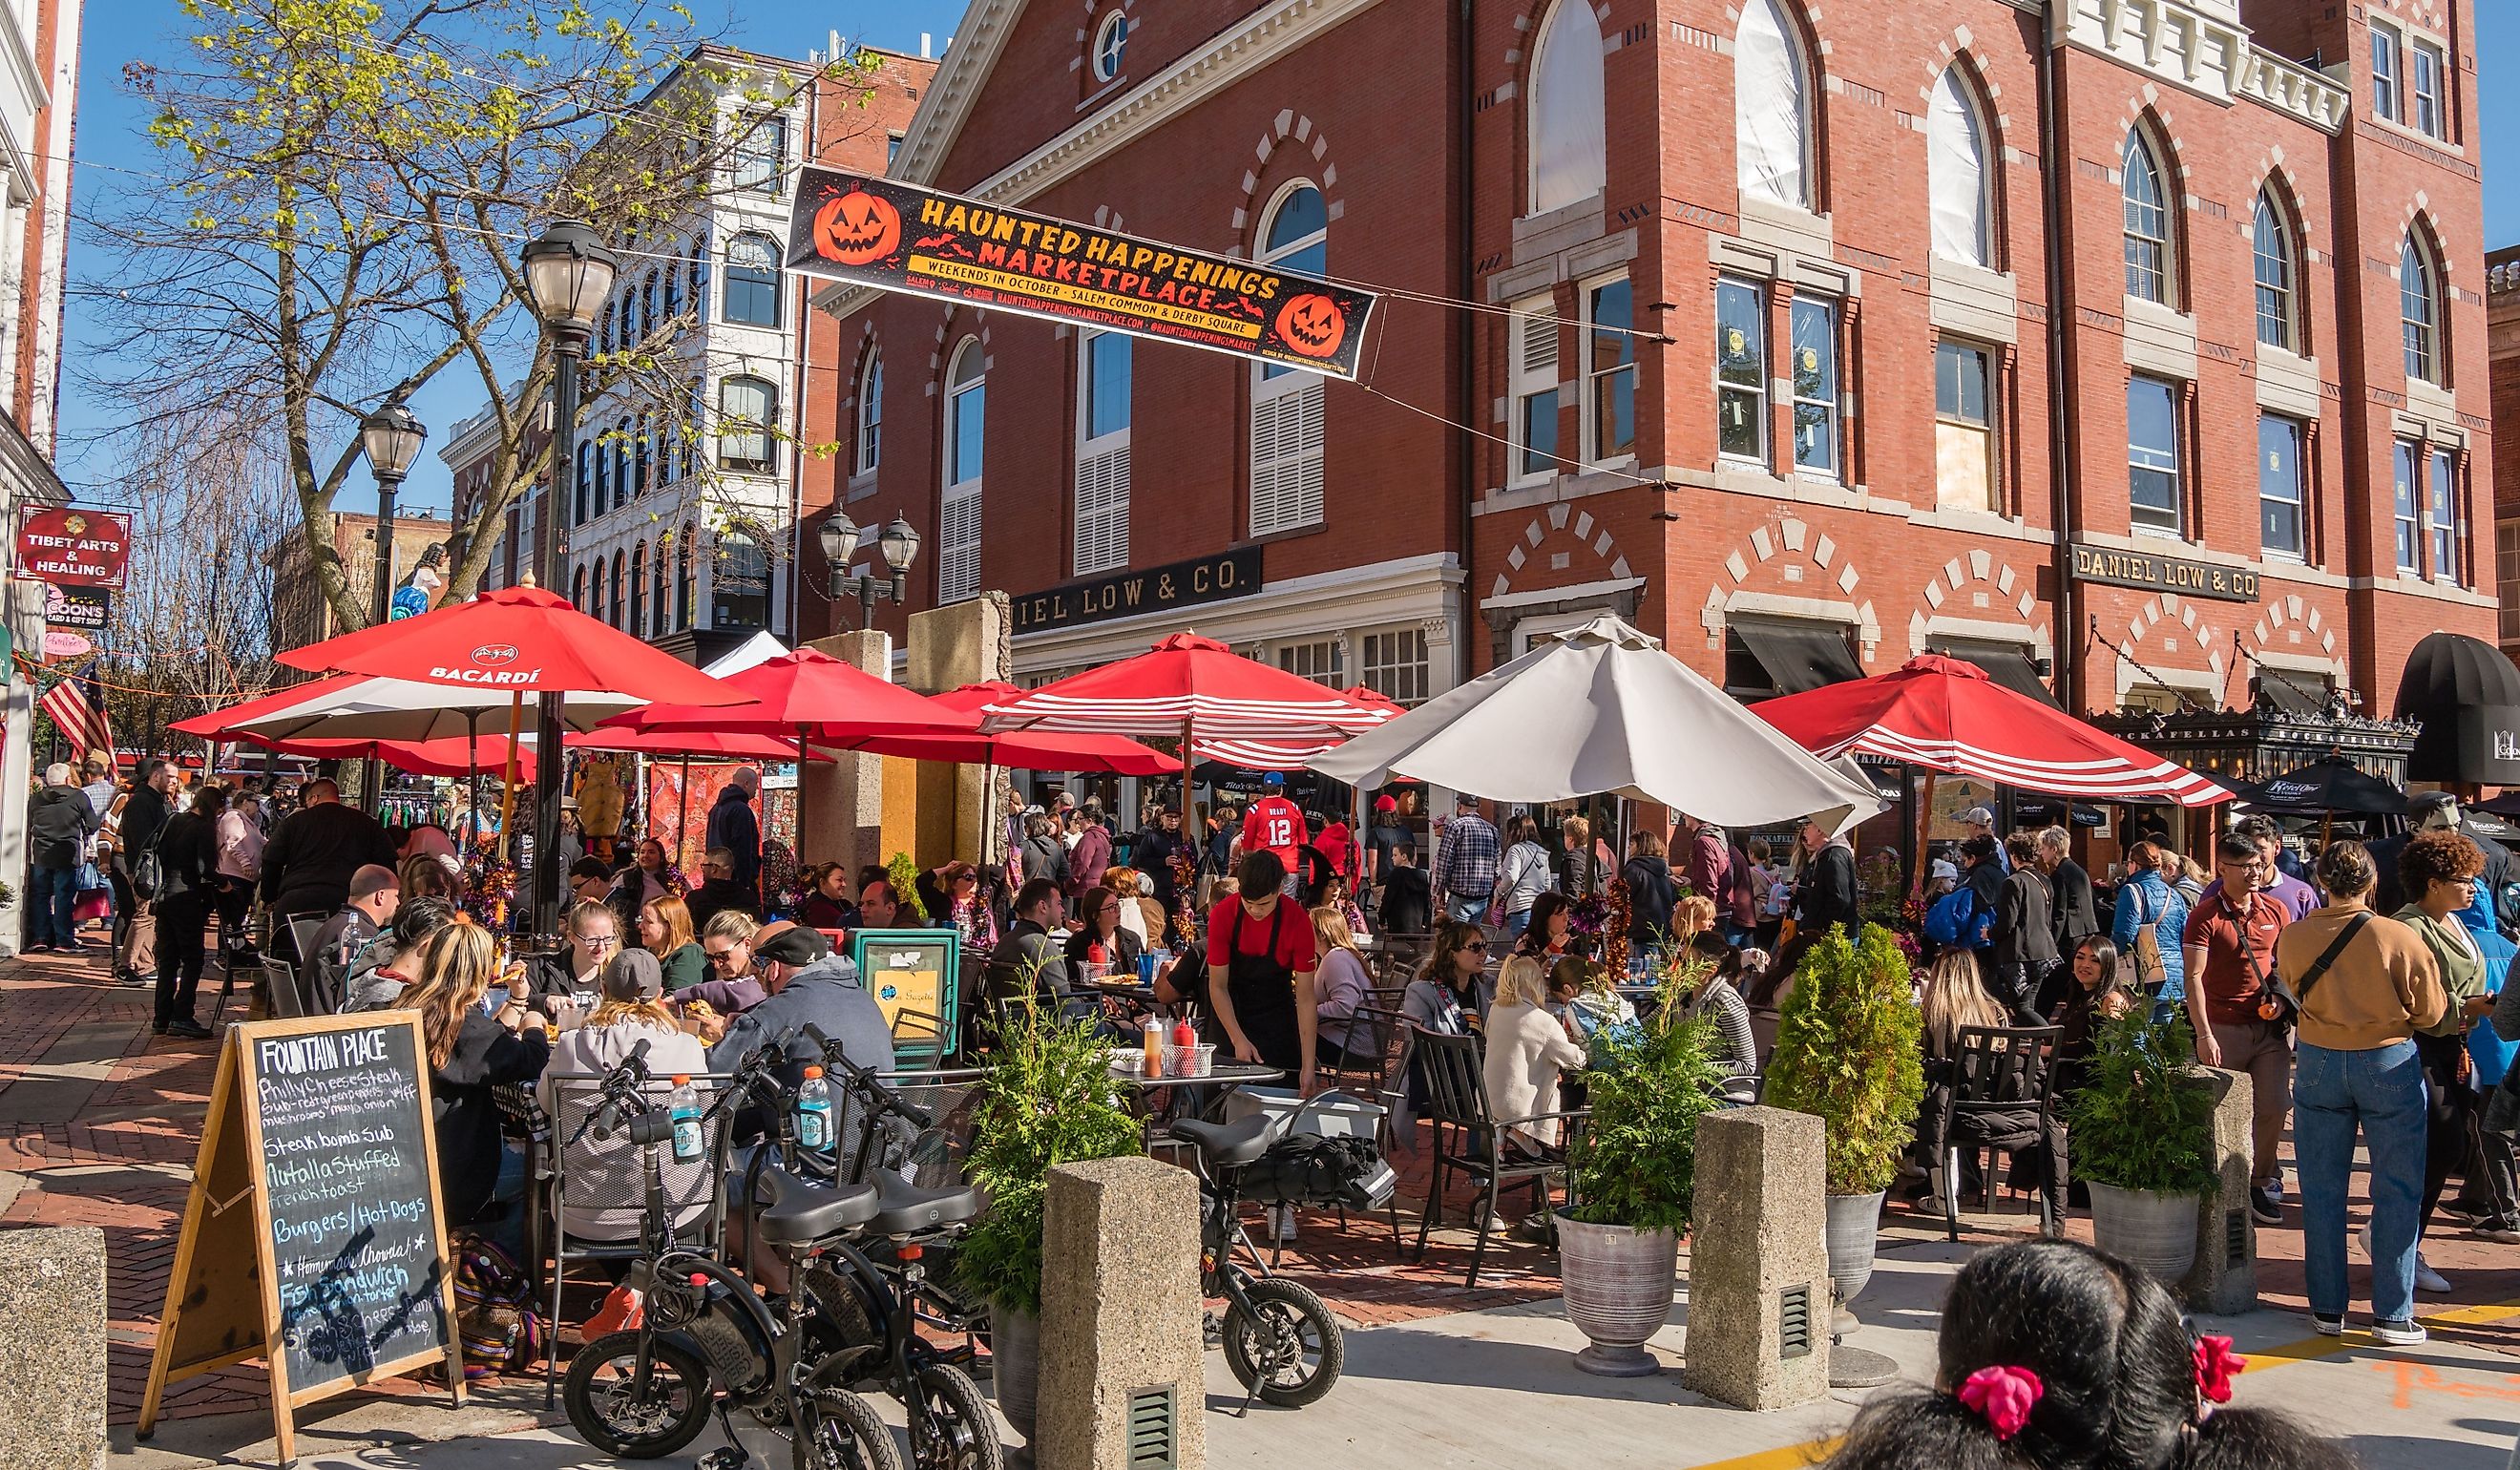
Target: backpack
point(494, 1310)
point(1956, 920)
point(1310, 1169)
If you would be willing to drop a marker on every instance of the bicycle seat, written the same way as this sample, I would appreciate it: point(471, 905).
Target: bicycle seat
point(1224, 1145)
point(800, 1211)
point(903, 1209)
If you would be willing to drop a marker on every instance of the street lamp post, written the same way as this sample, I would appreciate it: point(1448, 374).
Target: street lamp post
point(897, 544)
point(570, 276)
point(392, 438)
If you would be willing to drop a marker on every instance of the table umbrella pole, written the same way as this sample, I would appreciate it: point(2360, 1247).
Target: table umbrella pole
point(508, 793)
point(683, 817)
point(1916, 863)
point(472, 780)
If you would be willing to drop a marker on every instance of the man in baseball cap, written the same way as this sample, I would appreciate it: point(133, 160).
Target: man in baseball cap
point(1979, 822)
point(808, 985)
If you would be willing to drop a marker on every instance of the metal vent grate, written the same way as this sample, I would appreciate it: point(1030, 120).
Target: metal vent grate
point(1154, 1431)
point(2236, 1237)
point(1795, 1321)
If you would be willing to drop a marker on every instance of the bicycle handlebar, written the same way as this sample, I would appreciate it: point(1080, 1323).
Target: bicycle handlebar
point(868, 1084)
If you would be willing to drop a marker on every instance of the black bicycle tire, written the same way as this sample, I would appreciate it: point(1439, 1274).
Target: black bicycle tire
point(576, 1395)
point(861, 1419)
point(950, 1384)
point(1278, 1291)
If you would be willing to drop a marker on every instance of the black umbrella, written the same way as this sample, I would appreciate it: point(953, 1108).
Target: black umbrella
point(2329, 787)
point(2506, 805)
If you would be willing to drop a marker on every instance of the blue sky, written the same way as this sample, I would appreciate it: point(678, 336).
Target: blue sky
point(112, 152)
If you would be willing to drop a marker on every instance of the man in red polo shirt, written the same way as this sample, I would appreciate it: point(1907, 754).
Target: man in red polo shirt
point(2231, 943)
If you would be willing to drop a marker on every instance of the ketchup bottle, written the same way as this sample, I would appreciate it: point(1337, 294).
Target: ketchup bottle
point(1185, 1044)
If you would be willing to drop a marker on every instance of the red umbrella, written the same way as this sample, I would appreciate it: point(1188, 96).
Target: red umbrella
point(1192, 687)
point(447, 756)
point(520, 640)
point(1280, 755)
point(801, 695)
point(1946, 715)
point(1024, 751)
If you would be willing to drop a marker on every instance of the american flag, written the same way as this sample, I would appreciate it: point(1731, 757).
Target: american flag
point(81, 720)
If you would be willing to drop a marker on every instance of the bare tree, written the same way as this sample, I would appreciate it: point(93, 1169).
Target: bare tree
point(352, 183)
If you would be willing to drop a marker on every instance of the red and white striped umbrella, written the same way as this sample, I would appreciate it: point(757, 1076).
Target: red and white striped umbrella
point(1946, 715)
point(1197, 691)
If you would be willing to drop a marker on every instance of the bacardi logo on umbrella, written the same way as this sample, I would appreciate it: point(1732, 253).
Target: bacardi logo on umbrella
point(488, 665)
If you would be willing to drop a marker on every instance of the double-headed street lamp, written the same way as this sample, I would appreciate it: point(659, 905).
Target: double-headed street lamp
point(897, 544)
point(392, 438)
point(568, 273)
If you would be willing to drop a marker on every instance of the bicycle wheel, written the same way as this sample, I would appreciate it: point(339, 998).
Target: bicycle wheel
point(968, 1438)
point(605, 1412)
point(1287, 1345)
point(837, 1430)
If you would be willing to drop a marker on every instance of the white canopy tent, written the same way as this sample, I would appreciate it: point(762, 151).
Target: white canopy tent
point(1604, 710)
point(751, 654)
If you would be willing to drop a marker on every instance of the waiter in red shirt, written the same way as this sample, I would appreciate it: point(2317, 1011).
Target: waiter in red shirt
point(1260, 963)
point(1276, 825)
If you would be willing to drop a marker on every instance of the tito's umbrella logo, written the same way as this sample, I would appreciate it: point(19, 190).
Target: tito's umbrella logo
point(489, 666)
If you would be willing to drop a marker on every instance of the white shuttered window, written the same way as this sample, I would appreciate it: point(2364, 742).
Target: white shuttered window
point(1102, 454)
point(966, 401)
point(1286, 403)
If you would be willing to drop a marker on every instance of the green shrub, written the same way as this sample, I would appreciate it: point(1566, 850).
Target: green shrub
point(903, 874)
point(1648, 1083)
point(1048, 1098)
point(2140, 1121)
point(1850, 1051)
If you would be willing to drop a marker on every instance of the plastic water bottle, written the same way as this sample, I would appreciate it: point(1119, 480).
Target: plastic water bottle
point(686, 1111)
point(814, 1112)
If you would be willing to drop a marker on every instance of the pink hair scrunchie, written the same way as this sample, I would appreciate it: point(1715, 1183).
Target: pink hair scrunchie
point(2003, 1396)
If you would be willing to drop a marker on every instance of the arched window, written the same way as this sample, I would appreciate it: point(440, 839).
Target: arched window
point(577, 590)
point(740, 580)
point(966, 424)
point(869, 425)
point(648, 305)
point(639, 448)
point(1286, 403)
point(593, 607)
point(1566, 107)
point(2278, 307)
point(751, 282)
point(639, 592)
point(673, 288)
point(612, 609)
point(687, 575)
point(2147, 224)
point(627, 334)
point(1110, 44)
point(1955, 174)
point(577, 512)
point(621, 484)
point(2419, 305)
point(1770, 116)
point(746, 407)
point(661, 587)
point(699, 264)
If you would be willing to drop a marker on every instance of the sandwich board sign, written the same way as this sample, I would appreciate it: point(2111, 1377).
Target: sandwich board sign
point(313, 1238)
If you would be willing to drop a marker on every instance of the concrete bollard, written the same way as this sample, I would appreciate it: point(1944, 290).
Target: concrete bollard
point(2224, 1278)
point(52, 1347)
point(1122, 1381)
point(1758, 1261)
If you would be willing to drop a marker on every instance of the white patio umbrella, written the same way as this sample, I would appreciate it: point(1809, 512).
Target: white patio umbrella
point(1604, 710)
point(355, 707)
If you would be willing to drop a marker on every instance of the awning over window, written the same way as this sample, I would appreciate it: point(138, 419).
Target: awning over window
point(2466, 695)
point(2290, 694)
point(2007, 664)
point(1798, 655)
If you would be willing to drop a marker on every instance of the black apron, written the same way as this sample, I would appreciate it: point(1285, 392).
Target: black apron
point(1263, 993)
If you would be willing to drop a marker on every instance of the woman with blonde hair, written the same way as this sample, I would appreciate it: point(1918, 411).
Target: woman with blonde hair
point(665, 931)
point(1341, 1038)
point(1689, 917)
point(473, 1051)
point(1579, 872)
point(1122, 880)
point(1527, 1049)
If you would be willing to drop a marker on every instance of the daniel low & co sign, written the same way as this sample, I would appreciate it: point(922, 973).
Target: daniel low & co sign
point(1182, 584)
point(2154, 572)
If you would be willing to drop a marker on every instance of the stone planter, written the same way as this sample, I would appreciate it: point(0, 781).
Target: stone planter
point(1618, 1282)
point(1854, 1232)
point(1015, 1371)
point(2156, 1231)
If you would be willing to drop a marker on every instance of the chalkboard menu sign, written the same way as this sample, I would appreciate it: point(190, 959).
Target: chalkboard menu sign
point(313, 1238)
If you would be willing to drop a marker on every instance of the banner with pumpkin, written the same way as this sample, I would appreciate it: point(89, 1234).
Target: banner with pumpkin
point(892, 236)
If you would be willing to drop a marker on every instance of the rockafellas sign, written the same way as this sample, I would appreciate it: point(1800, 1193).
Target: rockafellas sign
point(73, 545)
point(898, 237)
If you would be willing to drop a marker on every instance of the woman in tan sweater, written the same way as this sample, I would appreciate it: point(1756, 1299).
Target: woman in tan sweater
point(2366, 985)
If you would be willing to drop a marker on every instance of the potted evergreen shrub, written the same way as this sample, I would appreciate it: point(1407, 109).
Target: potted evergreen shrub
point(1850, 1051)
point(1047, 1099)
point(1632, 1173)
point(2143, 1141)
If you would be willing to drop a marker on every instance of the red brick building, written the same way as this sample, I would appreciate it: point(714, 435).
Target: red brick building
point(2138, 350)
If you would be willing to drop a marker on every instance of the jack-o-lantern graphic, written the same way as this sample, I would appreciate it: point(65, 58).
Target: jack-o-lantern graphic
point(856, 228)
point(1312, 324)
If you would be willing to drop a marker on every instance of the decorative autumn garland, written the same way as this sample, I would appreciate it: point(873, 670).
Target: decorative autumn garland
point(1185, 868)
point(1614, 929)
